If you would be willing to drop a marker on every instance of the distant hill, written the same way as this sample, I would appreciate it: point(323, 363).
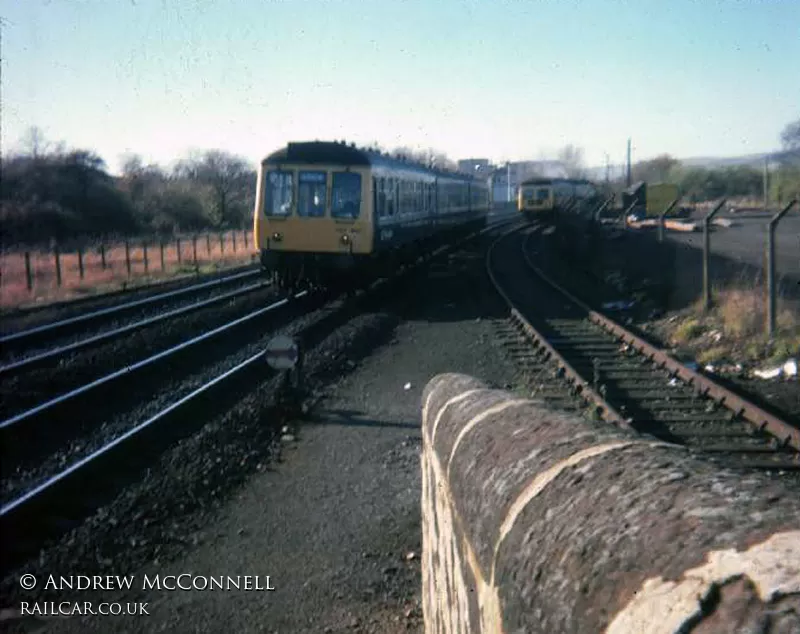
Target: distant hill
point(753, 160)
point(709, 162)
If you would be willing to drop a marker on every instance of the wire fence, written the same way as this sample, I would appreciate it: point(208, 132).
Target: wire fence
point(63, 273)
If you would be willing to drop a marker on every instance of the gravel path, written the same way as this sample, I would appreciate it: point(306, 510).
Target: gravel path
point(334, 519)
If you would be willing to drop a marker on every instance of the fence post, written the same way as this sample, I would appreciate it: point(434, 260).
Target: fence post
point(58, 264)
point(233, 233)
point(28, 272)
point(194, 253)
point(221, 242)
point(771, 299)
point(103, 255)
point(707, 254)
point(128, 256)
point(161, 248)
point(662, 217)
point(144, 255)
point(601, 209)
point(80, 261)
point(208, 244)
point(178, 246)
point(625, 215)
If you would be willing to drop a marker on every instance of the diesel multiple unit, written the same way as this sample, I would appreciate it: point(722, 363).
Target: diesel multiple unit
point(329, 214)
point(546, 197)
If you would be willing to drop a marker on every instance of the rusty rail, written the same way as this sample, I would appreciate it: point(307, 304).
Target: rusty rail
point(604, 409)
point(787, 434)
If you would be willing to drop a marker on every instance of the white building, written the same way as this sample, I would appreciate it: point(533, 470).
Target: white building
point(520, 171)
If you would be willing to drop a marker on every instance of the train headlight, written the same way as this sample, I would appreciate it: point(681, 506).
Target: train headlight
point(278, 237)
point(345, 239)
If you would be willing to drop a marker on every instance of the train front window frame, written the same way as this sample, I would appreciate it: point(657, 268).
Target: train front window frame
point(312, 193)
point(346, 195)
point(279, 193)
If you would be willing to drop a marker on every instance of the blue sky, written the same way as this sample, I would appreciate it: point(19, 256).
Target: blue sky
point(496, 79)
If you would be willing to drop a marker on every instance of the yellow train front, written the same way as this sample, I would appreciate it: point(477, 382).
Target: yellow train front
point(331, 215)
point(536, 199)
point(546, 198)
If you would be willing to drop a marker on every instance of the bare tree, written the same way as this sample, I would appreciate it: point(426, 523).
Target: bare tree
point(790, 137)
point(229, 177)
point(33, 142)
point(572, 159)
point(655, 170)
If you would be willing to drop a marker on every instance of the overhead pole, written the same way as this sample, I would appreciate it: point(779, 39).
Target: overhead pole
point(766, 181)
point(707, 255)
point(771, 291)
point(628, 177)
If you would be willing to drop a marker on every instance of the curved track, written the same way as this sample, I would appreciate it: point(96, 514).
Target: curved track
point(55, 497)
point(581, 358)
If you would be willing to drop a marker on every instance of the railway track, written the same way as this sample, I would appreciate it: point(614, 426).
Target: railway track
point(579, 359)
point(26, 349)
point(55, 495)
point(63, 426)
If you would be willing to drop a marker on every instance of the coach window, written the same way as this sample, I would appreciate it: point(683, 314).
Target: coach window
point(312, 194)
point(346, 202)
point(278, 194)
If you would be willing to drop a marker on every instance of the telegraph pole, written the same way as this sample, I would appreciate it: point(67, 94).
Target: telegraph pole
point(628, 178)
point(608, 169)
point(508, 179)
point(766, 181)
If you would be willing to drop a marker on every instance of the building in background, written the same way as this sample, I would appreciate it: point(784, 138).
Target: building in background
point(516, 171)
point(480, 167)
point(520, 171)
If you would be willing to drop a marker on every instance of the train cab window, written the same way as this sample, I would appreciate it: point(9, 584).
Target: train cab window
point(542, 194)
point(346, 191)
point(278, 193)
point(312, 194)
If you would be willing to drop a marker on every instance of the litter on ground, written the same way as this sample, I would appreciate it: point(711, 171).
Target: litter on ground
point(788, 369)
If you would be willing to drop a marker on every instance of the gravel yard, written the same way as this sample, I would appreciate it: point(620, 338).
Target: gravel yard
point(330, 512)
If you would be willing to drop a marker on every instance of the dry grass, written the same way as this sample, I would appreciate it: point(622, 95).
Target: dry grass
point(734, 330)
point(210, 255)
point(688, 330)
point(741, 312)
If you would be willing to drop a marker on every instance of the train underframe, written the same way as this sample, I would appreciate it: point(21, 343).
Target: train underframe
point(541, 215)
point(293, 271)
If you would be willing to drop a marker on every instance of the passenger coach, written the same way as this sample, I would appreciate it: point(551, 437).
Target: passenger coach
point(547, 197)
point(328, 213)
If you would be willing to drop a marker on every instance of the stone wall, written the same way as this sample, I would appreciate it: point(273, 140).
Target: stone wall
point(539, 521)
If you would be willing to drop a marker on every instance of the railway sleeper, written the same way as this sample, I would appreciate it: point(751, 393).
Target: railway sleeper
point(614, 390)
point(749, 445)
point(740, 431)
point(585, 367)
point(650, 384)
point(689, 418)
point(665, 406)
point(584, 340)
point(634, 376)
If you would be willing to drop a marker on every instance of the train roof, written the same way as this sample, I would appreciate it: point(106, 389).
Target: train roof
point(327, 152)
point(538, 180)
